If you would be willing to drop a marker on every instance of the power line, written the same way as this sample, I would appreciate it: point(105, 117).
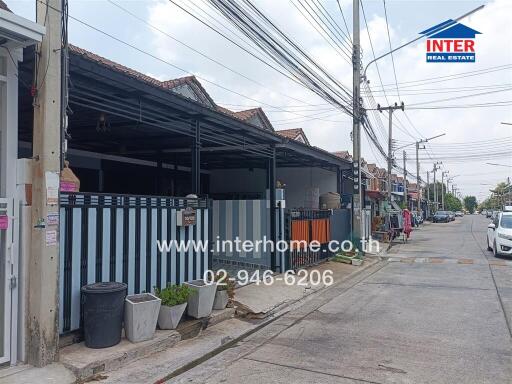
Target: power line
point(165, 61)
point(285, 52)
point(461, 97)
point(344, 21)
point(345, 54)
point(463, 106)
point(199, 52)
point(390, 47)
point(456, 76)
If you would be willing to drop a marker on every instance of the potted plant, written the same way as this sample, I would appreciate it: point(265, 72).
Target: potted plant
point(140, 316)
point(174, 301)
point(225, 291)
point(200, 300)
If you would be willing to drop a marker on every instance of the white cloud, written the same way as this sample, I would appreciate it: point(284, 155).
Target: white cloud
point(332, 132)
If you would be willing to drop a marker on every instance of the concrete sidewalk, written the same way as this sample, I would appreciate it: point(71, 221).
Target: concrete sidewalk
point(258, 304)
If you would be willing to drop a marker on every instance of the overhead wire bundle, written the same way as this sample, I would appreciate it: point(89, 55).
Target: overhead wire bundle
point(285, 52)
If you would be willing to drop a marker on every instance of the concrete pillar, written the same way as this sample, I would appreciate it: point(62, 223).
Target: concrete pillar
point(271, 175)
point(43, 309)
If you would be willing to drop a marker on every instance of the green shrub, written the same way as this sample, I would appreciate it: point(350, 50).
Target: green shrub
point(173, 294)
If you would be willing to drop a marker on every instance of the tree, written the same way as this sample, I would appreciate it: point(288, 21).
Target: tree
point(470, 203)
point(452, 203)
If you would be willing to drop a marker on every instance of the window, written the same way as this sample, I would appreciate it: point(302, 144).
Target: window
point(506, 221)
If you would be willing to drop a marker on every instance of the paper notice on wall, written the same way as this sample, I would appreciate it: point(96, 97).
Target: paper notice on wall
point(51, 238)
point(52, 218)
point(4, 222)
point(52, 187)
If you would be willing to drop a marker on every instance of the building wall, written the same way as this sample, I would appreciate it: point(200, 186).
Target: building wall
point(254, 183)
point(299, 180)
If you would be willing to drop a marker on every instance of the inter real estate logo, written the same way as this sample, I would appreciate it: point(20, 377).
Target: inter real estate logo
point(450, 42)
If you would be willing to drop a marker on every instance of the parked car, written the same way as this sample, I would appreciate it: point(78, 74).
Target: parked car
point(441, 217)
point(452, 215)
point(499, 234)
point(459, 214)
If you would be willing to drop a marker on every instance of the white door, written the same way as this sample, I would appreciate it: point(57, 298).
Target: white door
point(8, 272)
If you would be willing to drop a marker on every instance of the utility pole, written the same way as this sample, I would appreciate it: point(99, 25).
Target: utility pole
point(442, 187)
point(418, 165)
point(418, 189)
point(435, 186)
point(43, 269)
point(405, 179)
point(390, 109)
point(428, 194)
point(357, 203)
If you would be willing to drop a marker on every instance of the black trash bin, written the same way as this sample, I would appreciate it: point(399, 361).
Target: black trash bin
point(103, 311)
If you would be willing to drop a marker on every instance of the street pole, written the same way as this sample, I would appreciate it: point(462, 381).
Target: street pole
point(418, 208)
point(356, 131)
point(442, 189)
point(435, 189)
point(428, 194)
point(43, 267)
point(442, 186)
point(405, 179)
point(390, 109)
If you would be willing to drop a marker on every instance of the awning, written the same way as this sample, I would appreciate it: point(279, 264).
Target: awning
point(18, 32)
point(376, 195)
point(413, 195)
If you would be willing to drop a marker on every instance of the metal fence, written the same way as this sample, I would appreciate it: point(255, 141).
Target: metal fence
point(114, 238)
point(308, 225)
point(247, 220)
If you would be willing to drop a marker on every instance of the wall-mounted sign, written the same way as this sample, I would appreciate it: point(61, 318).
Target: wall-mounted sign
point(186, 217)
point(4, 222)
point(52, 188)
point(52, 218)
point(51, 238)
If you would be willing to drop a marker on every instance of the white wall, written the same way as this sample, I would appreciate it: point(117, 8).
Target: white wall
point(8, 124)
point(299, 180)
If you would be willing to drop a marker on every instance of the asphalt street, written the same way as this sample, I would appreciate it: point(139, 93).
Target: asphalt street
point(438, 312)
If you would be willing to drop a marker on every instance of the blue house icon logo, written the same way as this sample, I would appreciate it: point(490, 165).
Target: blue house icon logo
point(450, 42)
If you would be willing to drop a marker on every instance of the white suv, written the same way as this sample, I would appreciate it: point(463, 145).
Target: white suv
point(499, 234)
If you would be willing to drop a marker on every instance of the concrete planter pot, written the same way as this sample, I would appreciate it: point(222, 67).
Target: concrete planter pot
point(221, 299)
point(140, 316)
point(169, 317)
point(357, 261)
point(200, 301)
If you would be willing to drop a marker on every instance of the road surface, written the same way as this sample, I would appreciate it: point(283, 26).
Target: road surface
point(438, 312)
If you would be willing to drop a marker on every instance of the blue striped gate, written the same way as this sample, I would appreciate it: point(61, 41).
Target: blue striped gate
point(247, 220)
point(114, 238)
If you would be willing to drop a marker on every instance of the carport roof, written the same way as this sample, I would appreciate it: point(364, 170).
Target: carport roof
point(146, 119)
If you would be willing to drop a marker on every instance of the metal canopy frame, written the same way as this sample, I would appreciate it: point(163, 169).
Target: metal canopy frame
point(148, 122)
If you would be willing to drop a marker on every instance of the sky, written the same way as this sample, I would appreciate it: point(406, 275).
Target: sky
point(469, 133)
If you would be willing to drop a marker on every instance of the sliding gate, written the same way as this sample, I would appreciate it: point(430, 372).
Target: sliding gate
point(114, 238)
point(307, 225)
